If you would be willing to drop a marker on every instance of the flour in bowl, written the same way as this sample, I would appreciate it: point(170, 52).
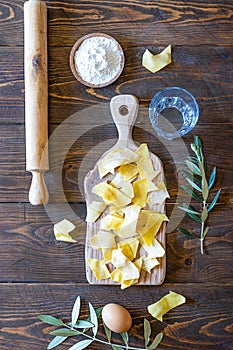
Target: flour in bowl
point(98, 60)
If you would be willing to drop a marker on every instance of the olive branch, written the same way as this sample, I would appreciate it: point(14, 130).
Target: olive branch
point(88, 329)
point(200, 190)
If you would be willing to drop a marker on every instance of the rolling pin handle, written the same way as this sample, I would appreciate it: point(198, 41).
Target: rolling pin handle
point(38, 193)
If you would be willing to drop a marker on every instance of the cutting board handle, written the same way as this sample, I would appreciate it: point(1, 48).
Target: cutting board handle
point(124, 109)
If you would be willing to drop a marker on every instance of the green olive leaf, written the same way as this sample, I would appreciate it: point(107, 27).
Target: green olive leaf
point(205, 232)
point(156, 341)
point(147, 331)
point(205, 189)
point(188, 209)
point(194, 185)
point(214, 201)
point(191, 176)
point(81, 324)
point(51, 320)
point(83, 344)
point(56, 341)
point(98, 311)
point(75, 311)
point(94, 319)
point(193, 160)
point(186, 232)
point(65, 332)
point(212, 178)
point(125, 337)
point(191, 193)
point(194, 217)
point(204, 214)
point(193, 167)
point(108, 332)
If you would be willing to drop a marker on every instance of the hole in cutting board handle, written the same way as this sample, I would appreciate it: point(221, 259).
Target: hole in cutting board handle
point(123, 110)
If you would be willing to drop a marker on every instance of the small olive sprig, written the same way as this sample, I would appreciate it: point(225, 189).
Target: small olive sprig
point(88, 329)
point(200, 191)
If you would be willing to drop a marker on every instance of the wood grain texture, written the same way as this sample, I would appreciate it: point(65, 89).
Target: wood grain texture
point(201, 35)
point(206, 71)
point(30, 252)
point(209, 328)
point(181, 22)
point(70, 165)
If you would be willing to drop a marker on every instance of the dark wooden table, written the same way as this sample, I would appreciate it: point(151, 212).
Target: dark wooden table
point(41, 275)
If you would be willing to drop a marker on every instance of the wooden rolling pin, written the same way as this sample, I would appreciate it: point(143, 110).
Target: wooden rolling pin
point(36, 97)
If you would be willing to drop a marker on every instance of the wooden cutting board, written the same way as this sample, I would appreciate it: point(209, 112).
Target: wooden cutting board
point(124, 109)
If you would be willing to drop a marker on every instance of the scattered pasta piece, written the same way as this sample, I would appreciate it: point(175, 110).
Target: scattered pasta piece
point(62, 230)
point(128, 227)
point(151, 227)
point(158, 196)
point(140, 188)
point(129, 247)
point(154, 250)
point(168, 302)
point(125, 266)
point(94, 210)
point(107, 255)
point(111, 195)
point(111, 222)
point(98, 268)
point(115, 158)
point(103, 240)
point(144, 163)
point(149, 263)
point(154, 63)
point(128, 171)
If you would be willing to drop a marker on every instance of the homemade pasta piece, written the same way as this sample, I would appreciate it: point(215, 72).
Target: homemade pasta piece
point(168, 302)
point(117, 211)
point(111, 195)
point(151, 186)
point(107, 255)
point(152, 227)
point(126, 267)
point(62, 230)
point(118, 180)
point(154, 63)
point(140, 188)
point(111, 222)
point(129, 271)
point(144, 163)
point(116, 276)
point(103, 240)
point(128, 227)
point(129, 247)
point(158, 196)
point(94, 210)
point(128, 171)
point(115, 158)
point(149, 263)
point(98, 268)
point(127, 283)
point(154, 250)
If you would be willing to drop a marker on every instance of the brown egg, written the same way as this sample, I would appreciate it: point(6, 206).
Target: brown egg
point(116, 318)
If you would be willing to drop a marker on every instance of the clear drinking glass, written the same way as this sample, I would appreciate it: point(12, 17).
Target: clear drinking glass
point(172, 101)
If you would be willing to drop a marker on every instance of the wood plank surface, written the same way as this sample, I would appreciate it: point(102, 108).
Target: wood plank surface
point(30, 253)
point(208, 327)
point(41, 275)
point(183, 22)
point(211, 66)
